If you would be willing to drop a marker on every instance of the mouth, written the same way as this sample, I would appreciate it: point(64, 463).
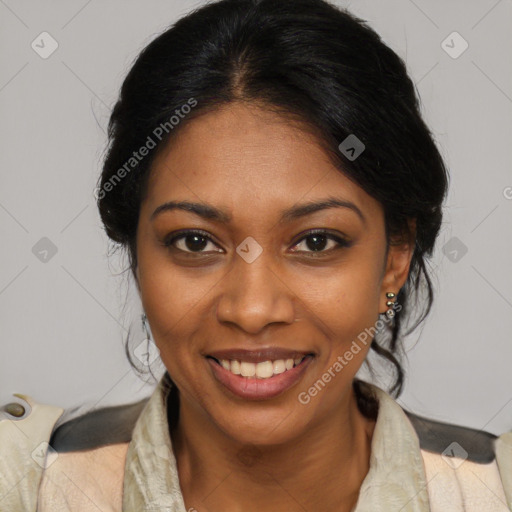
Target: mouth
point(262, 370)
point(255, 375)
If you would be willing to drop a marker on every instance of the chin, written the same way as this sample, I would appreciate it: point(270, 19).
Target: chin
point(266, 427)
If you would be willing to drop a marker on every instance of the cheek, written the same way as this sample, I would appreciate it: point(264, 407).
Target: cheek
point(352, 307)
point(345, 298)
point(171, 298)
point(345, 306)
point(168, 292)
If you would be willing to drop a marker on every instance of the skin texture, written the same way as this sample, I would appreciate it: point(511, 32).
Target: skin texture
point(275, 454)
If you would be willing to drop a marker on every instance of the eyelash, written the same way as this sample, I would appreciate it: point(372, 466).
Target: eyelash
point(342, 242)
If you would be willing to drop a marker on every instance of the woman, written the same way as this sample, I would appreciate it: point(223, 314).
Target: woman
point(278, 195)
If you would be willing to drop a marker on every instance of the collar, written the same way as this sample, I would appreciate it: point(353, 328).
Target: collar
point(151, 473)
point(396, 478)
point(395, 481)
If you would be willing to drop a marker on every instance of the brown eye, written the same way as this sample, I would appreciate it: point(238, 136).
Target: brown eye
point(190, 242)
point(318, 241)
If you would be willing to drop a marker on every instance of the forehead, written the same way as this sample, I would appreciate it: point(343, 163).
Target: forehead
point(242, 155)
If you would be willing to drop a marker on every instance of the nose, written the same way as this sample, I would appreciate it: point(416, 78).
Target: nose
point(255, 295)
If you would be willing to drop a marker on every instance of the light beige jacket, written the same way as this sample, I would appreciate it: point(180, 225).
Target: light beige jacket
point(141, 475)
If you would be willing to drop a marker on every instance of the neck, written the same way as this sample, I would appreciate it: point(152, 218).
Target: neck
point(321, 470)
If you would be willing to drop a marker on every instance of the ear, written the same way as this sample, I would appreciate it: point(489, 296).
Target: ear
point(398, 263)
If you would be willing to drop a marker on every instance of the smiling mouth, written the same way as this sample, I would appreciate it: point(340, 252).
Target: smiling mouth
point(262, 370)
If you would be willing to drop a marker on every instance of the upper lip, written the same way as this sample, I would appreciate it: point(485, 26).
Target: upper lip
point(259, 355)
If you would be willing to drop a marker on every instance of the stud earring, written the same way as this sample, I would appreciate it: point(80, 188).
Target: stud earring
point(390, 313)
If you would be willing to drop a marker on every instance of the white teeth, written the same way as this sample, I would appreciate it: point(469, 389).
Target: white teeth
point(247, 369)
point(235, 367)
point(263, 370)
point(279, 366)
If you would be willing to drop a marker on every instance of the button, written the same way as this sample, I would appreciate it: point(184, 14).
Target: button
point(14, 409)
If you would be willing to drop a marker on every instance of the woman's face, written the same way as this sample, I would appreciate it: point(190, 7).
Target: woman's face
point(255, 285)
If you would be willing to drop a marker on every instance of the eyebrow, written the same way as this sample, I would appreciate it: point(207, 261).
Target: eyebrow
point(295, 212)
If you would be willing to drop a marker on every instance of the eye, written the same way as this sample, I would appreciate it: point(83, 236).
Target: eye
point(316, 241)
point(195, 241)
point(190, 241)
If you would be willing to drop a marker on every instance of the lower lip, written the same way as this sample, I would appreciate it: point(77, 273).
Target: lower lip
point(252, 388)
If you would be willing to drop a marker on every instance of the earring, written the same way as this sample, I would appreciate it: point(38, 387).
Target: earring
point(390, 313)
point(146, 350)
point(144, 320)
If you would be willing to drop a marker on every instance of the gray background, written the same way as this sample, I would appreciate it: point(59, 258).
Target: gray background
point(63, 320)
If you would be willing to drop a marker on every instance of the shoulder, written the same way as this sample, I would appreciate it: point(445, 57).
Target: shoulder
point(453, 440)
point(462, 468)
point(91, 479)
point(63, 459)
point(25, 430)
point(94, 429)
point(465, 468)
point(91, 450)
